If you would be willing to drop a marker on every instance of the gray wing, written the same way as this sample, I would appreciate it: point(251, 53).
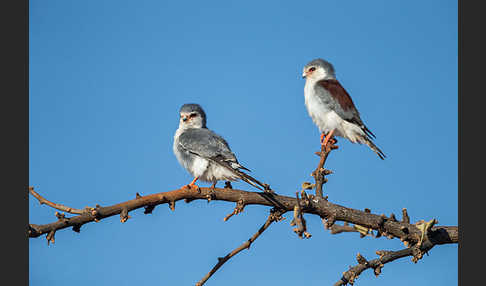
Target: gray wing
point(333, 94)
point(207, 144)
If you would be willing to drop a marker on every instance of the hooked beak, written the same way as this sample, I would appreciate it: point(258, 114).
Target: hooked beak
point(304, 74)
point(185, 118)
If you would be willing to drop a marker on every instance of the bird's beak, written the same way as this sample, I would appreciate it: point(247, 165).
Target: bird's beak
point(304, 74)
point(184, 118)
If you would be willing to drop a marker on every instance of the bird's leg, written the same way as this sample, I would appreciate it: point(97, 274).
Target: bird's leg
point(213, 186)
point(192, 185)
point(322, 137)
point(328, 136)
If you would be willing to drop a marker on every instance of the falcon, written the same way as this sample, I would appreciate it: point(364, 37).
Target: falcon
point(205, 154)
point(331, 108)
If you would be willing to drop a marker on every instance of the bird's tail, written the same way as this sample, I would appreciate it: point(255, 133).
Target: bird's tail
point(235, 168)
point(252, 181)
point(375, 148)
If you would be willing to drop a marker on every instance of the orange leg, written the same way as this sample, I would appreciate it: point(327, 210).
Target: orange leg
point(322, 136)
point(213, 186)
point(192, 185)
point(329, 135)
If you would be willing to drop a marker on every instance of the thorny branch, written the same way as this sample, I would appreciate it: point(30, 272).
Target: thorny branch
point(418, 238)
point(274, 216)
point(319, 173)
point(397, 229)
point(377, 264)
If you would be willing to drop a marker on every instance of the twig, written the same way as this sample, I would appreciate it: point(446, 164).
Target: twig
point(320, 172)
point(63, 208)
point(299, 220)
point(377, 264)
point(336, 229)
point(240, 205)
point(275, 215)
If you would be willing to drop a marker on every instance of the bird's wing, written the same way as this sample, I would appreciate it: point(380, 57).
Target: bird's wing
point(343, 104)
point(207, 144)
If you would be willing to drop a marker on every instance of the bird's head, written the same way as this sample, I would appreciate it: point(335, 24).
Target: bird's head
point(192, 116)
point(318, 69)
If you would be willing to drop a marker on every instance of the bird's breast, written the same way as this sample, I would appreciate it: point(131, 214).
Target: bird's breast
point(184, 157)
point(319, 109)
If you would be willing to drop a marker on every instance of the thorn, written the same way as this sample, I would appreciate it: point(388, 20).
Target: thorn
point(124, 215)
point(361, 260)
point(50, 237)
point(327, 172)
point(149, 209)
point(382, 253)
point(60, 216)
point(77, 228)
point(377, 269)
point(172, 205)
point(405, 217)
point(330, 222)
point(137, 196)
point(307, 186)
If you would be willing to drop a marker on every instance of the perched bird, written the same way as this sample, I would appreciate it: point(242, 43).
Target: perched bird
point(331, 107)
point(205, 154)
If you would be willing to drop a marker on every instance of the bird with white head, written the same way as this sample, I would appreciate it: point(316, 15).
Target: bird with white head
point(204, 154)
point(331, 108)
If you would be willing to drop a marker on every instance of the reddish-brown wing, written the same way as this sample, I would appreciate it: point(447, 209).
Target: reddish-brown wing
point(338, 92)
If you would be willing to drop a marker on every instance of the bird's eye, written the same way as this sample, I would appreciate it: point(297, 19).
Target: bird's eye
point(312, 69)
point(193, 115)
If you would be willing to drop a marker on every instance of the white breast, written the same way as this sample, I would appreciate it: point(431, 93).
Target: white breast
point(325, 118)
point(176, 150)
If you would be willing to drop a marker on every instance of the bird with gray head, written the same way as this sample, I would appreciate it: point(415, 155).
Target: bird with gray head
point(206, 155)
point(331, 108)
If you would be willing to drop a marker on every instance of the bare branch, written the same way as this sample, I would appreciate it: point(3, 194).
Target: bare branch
point(319, 173)
point(240, 205)
point(275, 215)
point(418, 238)
point(377, 264)
point(336, 229)
point(63, 208)
point(323, 208)
point(299, 220)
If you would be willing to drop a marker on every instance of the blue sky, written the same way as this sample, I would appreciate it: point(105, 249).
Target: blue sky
point(107, 79)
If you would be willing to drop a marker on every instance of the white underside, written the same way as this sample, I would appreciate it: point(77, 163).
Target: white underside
point(210, 172)
point(327, 119)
